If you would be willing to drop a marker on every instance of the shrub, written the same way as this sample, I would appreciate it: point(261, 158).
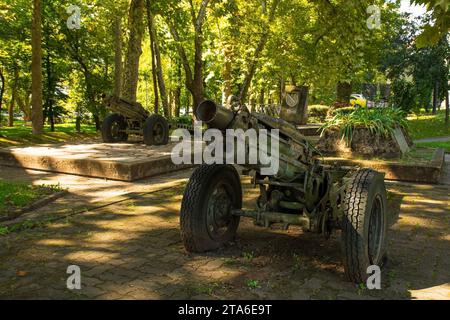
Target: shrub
point(319, 112)
point(186, 120)
point(380, 122)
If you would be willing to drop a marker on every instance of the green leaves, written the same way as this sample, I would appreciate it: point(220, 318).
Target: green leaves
point(381, 122)
point(431, 34)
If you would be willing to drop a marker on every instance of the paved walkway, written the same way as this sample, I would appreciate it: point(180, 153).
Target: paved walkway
point(131, 249)
point(439, 139)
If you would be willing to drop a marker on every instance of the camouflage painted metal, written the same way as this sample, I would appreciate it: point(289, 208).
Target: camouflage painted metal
point(304, 192)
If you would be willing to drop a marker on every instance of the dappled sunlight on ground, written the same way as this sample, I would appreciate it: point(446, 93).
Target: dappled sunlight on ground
point(132, 250)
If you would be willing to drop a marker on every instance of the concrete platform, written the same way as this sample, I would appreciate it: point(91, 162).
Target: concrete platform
point(122, 162)
point(310, 130)
point(428, 172)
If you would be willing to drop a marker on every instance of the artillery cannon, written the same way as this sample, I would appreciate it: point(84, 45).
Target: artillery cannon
point(131, 118)
point(304, 192)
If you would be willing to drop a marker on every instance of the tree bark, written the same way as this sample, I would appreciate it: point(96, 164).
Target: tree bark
point(226, 74)
point(447, 106)
point(49, 97)
point(12, 105)
point(36, 69)
point(154, 77)
point(344, 91)
point(259, 49)
point(118, 64)
point(262, 97)
point(194, 80)
point(435, 97)
point(24, 105)
point(2, 91)
point(157, 60)
point(134, 50)
point(303, 104)
point(152, 34)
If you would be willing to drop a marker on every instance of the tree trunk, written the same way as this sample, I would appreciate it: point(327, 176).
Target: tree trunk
point(36, 69)
point(98, 125)
point(154, 77)
point(90, 98)
point(194, 81)
point(134, 51)
point(24, 105)
point(118, 64)
point(435, 97)
point(78, 124)
point(262, 97)
point(2, 91)
point(226, 74)
point(447, 106)
point(303, 104)
point(344, 91)
point(259, 49)
point(49, 97)
point(12, 105)
point(152, 34)
point(158, 62)
point(282, 89)
point(177, 101)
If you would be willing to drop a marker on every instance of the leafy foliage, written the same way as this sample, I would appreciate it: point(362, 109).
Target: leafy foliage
point(381, 122)
point(434, 31)
point(318, 112)
point(415, 71)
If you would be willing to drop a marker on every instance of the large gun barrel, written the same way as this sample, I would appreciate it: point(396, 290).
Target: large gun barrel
point(215, 116)
point(292, 151)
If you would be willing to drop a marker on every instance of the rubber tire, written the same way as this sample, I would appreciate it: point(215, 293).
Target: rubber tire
point(149, 124)
point(107, 125)
point(363, 189)
point(193, 216)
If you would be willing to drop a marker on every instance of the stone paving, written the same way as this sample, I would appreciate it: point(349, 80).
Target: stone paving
point(132, 250)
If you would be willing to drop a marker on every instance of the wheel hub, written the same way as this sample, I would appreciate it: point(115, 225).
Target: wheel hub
point(219, 212)
point(158, 133)
point(115, 129)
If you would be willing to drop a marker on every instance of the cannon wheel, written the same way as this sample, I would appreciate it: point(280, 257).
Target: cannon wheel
point(111, 129)
point(364, 224)
point(206, 219)
point(156, 131)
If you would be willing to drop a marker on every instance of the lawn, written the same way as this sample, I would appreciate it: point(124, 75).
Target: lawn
point(428, 126)
point(17, 195)
point(21, 135)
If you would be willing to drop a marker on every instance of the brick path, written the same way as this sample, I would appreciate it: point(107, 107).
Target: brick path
point(132, 250)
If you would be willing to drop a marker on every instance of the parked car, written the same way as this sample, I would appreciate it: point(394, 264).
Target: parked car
point(358, 101)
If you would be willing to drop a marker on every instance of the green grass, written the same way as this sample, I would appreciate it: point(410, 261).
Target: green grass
point(428, 126)
point(21, 135)
point(443, 145)
point(17, 195)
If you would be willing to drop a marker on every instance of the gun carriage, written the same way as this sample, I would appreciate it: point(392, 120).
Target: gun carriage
point(304, 192)
point(131, 118)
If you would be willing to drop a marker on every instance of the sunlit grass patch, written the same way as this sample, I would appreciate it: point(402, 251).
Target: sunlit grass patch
point(444, 145)
point(17, 195)
point(22, 134)
point(428, 126)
